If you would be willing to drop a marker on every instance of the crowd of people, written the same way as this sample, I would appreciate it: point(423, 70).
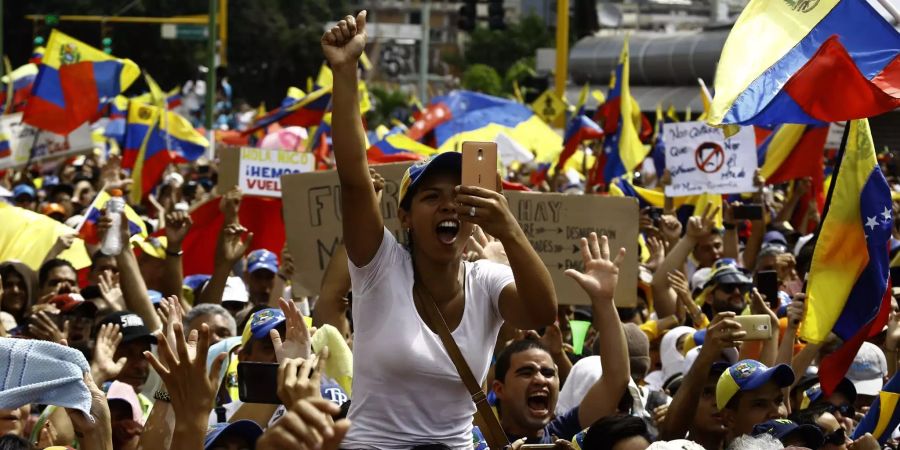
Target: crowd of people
point(128, 353)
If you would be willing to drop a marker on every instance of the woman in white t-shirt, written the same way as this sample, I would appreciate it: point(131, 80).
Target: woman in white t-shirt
point(406, 390)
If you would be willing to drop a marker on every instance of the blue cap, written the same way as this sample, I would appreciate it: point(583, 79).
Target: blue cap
point(748, 375)
point(245, 428)
point(155, 296)
point(24, 189)
point(261, 322)
point(195, 281)
point(262, 259)
point(449, 160)
point(784, 430)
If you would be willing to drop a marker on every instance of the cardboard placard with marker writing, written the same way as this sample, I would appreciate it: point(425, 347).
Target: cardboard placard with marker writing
point(312, 219)
point(554, 223)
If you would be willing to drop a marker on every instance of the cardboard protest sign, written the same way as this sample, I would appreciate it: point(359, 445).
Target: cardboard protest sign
point(29, 144)
point(260, 170)
point(312, 219)
point(554, 223)
point(701, 160)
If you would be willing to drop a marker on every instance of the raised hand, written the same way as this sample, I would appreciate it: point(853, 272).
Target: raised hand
point(723, 332)
point(42, 327)
point(306, 425)
point(230, 205)
point(377, 183)
point(678, 282)
point(296, 343)
point(170, 312)
point(486, 208)
point(191, 389)
point(601, 274)
point(345, 42)
point(231, 247)
point(103, 366)
point(553, 340)
point(301, 379)
point(657, 253)
point(670, 228)
point(700, 226)
point(482, 246)
point(759, 305)
point(286, 269)
point(111, 291)
point(178, 224)
point(94, 432)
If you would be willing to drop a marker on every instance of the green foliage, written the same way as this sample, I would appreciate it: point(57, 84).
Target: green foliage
point(502, 49)
point(386, 105)
point(522, 69)
point(482, 78)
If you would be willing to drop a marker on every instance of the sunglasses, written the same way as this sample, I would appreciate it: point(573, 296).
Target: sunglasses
point(846, 410)
point(730, 287)
point(836, 437)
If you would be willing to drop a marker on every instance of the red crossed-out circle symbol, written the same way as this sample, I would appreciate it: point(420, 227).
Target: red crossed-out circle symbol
point(709, 157)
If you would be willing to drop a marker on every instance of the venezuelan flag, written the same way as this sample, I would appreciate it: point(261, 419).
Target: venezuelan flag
point(37, 55)
point(581, 128)
point(20, 82)
point(848, 291)
point(795, 151)
point(883, 416)
point(621, 187)
point(5, 150)
point(480, 117)
point(297, 109)
point(73, 83)
point(807, 61)
point(88, 228)
point(398, 147)
point(118, 117)
point(622, 148)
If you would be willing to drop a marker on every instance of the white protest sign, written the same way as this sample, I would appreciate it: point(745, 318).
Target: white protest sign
point(27, 143)
point(701, 160)
point(835, 135)
point(260, 170)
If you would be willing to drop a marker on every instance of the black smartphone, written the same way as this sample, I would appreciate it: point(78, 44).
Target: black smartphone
point(748, 212)
point(258, 383)
point(767, 284)
point(655, 215)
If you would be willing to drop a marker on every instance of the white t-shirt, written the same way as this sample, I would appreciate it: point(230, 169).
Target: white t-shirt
point(406, 390)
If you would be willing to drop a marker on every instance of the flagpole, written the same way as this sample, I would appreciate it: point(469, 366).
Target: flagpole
point(891, 9)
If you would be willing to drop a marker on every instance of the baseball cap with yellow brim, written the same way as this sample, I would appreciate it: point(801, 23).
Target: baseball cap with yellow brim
point(449, 161)
point(748, 375)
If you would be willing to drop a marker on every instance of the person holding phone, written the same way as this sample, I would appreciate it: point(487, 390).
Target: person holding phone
point(406, 390)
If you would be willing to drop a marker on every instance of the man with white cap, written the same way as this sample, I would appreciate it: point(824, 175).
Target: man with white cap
point(235, 297)
point(868, 371)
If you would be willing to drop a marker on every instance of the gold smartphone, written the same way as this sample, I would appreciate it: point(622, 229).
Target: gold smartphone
point(757, 326)
point(479, 164)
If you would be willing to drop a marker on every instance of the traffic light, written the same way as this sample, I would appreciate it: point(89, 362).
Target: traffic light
point(467, 15)
point(495, 15)
point(106, 41)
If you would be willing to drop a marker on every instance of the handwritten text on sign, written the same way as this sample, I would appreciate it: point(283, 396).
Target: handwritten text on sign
point(260, 169)
point(554, 225)
point(700, 159)
point(28, 144)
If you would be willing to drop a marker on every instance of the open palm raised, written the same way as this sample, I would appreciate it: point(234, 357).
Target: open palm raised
point(601, 274)
point(344, 42)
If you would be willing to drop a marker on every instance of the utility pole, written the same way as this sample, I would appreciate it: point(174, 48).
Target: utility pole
point(562, 46)
point(423, 51)
point(211, 72)
point(2, 68)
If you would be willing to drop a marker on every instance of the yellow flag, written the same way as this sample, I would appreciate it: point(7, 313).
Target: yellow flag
point(27, 236)
point(325, 77)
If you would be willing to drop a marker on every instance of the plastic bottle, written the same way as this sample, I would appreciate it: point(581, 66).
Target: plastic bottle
point(112, 243)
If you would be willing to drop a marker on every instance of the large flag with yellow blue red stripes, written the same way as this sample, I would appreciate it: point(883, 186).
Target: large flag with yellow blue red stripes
point(74, 82)
point(849, 291)
point(807, 61)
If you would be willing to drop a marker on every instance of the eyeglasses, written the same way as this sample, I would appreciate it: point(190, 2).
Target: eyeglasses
point(836, 437)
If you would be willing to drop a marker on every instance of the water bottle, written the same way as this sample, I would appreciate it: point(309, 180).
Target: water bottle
point(112, 243)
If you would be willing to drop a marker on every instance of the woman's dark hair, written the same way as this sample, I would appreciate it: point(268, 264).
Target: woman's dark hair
point(13, 442)
point(608, 431)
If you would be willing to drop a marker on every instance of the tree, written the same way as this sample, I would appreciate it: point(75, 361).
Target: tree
point(482, 78)
point(387, 105)
point(502, 49)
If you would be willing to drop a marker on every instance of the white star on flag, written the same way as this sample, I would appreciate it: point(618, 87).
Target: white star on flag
point(886, 214)
point(871, 222)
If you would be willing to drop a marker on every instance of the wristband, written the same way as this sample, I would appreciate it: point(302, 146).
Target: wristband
point(178, 253)
point(162, 395)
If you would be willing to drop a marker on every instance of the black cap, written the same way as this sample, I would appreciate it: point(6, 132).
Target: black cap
point(131, 324)
point(783, 429)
